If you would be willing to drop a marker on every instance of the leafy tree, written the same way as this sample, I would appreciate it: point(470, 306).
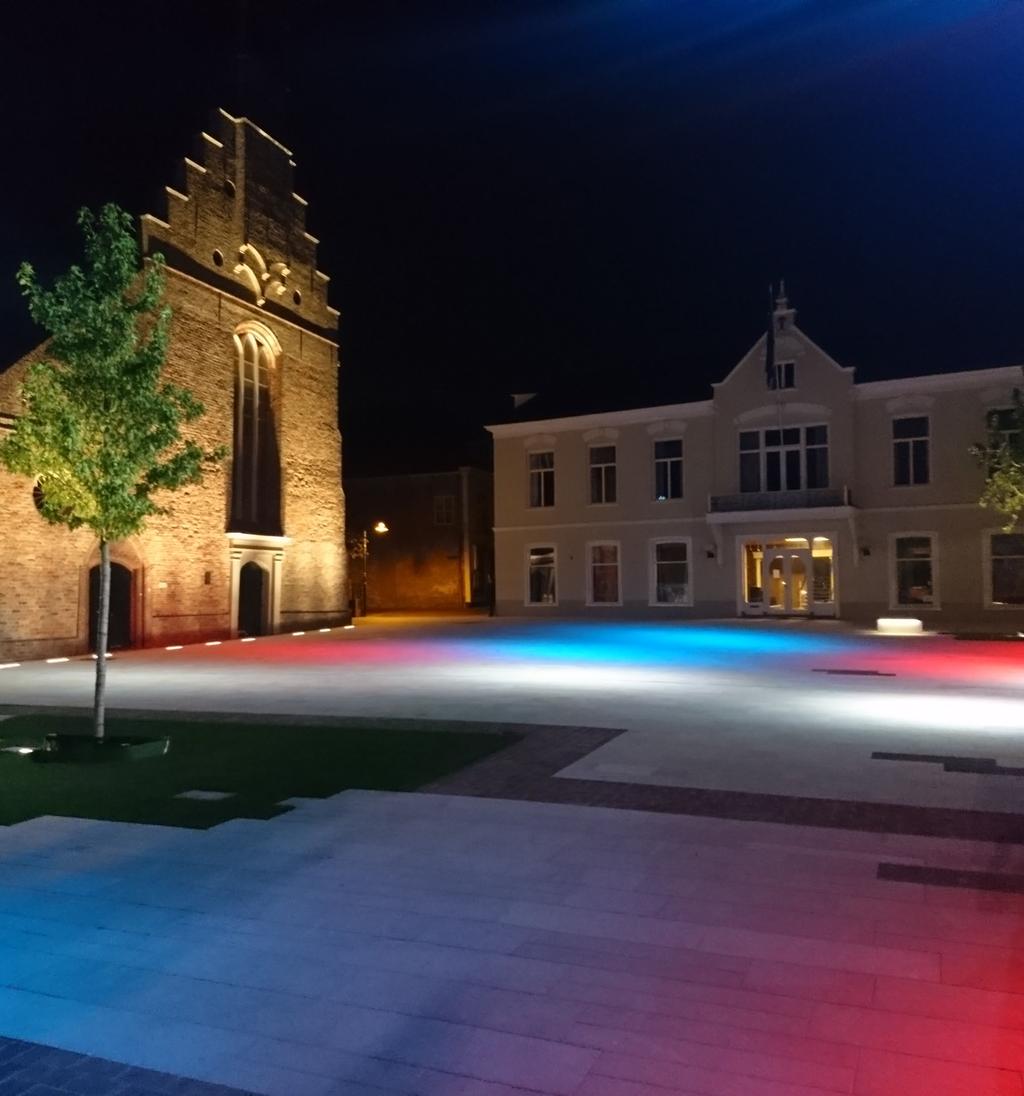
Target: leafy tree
point(100, 429)
point(1002, 457)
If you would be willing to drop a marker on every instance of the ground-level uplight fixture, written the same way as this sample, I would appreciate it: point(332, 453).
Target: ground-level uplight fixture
point(899, 626)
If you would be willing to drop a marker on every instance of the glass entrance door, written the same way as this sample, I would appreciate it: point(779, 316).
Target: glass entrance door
point(788, 590)
point(787, 575)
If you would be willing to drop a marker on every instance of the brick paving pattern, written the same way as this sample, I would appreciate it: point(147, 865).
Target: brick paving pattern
point(527, 771)
point(30, 1069)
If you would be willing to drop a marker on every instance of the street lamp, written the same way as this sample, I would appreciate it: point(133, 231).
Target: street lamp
point(364, 551)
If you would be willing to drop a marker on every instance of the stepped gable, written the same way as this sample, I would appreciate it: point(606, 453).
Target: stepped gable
point(235, 222)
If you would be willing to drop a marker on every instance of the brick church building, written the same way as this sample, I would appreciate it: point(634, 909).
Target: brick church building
point(258, 547)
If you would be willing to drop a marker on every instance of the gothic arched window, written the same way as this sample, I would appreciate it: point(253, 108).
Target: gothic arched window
point(256, 471)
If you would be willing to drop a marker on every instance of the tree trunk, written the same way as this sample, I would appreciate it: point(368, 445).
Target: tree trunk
point(102, 627)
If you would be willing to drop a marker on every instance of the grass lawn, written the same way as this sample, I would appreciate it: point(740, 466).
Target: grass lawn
point(262, 763)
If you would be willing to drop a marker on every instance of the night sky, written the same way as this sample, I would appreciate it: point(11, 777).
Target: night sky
point(587, 199)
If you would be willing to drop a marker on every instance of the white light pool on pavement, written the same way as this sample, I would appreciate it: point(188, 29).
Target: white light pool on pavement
point(923, 711)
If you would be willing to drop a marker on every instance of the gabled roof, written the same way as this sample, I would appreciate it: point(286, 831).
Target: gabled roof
point(790, 332)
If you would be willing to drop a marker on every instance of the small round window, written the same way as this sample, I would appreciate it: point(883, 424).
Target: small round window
point(229, 188)
point(218, 257)
point(297, 297)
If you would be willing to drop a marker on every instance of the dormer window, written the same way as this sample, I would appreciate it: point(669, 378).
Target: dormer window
point(785, 375)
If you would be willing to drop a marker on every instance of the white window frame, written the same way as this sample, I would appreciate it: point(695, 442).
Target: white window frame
point(780, 375)
point(531, 472)
point(996, 411)
point(782, 448)
point(656, 460)
point(986, 567)
point(591, 544)
point(652, 572)
point(936, 574)
point(526, 575)
point(894, 441)
point(603, 465)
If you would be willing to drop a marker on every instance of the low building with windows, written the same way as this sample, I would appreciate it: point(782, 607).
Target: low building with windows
point(258, 546)
point(438, 551)
point(793, 490)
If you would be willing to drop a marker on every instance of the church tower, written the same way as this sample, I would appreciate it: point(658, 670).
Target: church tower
point(258, 546)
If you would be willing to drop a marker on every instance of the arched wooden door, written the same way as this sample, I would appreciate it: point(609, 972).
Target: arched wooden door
point(252, 600)
point(119, 631)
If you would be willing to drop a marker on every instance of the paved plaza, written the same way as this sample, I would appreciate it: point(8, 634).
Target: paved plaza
point(492, 935)
point(797, 709)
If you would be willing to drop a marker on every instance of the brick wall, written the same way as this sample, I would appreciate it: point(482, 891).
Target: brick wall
point(236, 208)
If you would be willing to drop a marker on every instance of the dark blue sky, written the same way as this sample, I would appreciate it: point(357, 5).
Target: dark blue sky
point(586, 197)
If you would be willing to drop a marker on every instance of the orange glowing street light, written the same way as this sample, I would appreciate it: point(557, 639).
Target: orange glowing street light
point(379, 528)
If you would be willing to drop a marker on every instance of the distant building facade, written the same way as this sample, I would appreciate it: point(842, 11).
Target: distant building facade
point(438, 552)
point(809, 496)
point(259, 545)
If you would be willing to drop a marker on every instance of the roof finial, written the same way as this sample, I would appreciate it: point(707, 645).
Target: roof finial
point(781, 301)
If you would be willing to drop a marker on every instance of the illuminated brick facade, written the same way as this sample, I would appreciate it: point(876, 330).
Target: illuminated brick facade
point(251, 322)
point(438, 553)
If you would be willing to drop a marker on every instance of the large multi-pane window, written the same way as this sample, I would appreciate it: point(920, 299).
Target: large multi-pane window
point(256, 469)
point(540, 562)
point(670, 572)
point(604, 574)
point(910, 456)
point(602, 473)
point(1007, 569)
point(668, 469)
point(914, 561)
point(542, 479)
point(784, 459)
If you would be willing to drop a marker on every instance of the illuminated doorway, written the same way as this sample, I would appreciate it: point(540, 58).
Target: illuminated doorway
point(788, 576)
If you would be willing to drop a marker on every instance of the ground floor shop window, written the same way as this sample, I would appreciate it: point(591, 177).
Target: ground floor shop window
point(670, 572)
point(541, 576)
point(914, 578)
point(604, 574)
point(1007, 557)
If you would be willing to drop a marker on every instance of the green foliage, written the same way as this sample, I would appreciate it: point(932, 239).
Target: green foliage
point(1002, 457)
point(100, 429)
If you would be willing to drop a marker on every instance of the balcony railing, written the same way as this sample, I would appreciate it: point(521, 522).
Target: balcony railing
point(808, 499)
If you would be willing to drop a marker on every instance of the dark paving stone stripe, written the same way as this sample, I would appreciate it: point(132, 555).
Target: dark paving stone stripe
point(32, 1069)
point(987, 766)
point(950, 877)
point(934, 759)
point(854, 673)
point(527, 771)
